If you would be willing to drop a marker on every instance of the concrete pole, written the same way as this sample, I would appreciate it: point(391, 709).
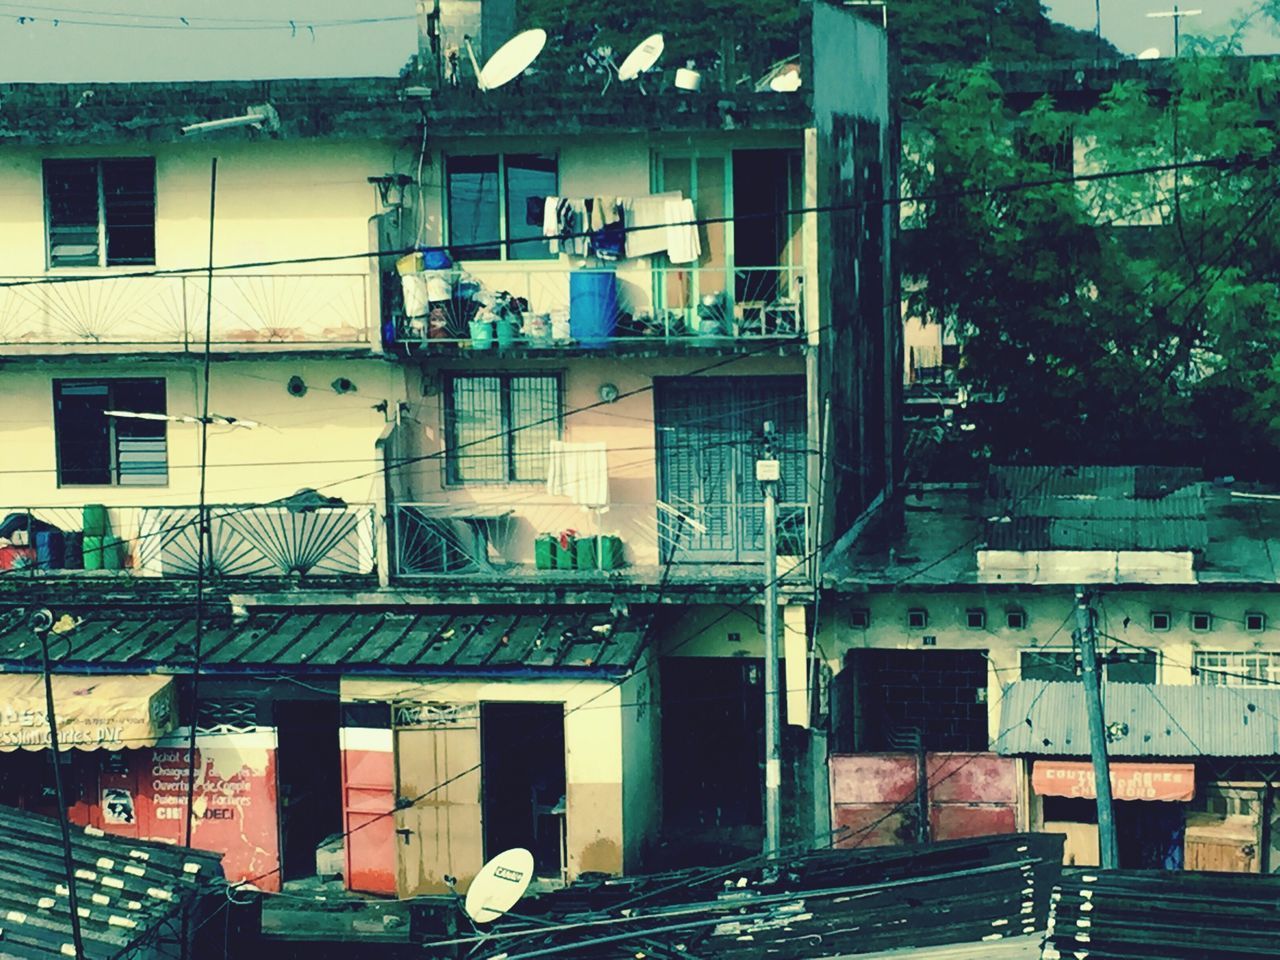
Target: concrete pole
point(1092, 679)
point(768, 472)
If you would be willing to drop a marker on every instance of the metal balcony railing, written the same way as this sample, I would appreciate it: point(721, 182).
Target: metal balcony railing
point(551, 538)
point(285, 538)
point(508, 304)
point(170, 311)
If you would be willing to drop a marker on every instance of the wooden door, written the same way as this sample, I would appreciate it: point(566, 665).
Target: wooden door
point(1226, 835)
point(438, 769)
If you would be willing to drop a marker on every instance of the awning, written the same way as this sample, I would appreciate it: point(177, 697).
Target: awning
point(1129, 781)
point(94, 713)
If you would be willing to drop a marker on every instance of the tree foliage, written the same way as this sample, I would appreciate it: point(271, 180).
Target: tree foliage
point(1128, 319)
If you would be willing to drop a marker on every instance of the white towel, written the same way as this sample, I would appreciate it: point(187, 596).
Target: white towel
point(650, 212)
point(683, 243)
point(579, 471)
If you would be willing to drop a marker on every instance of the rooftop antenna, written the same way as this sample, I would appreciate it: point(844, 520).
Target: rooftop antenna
point(641, 59)
point(1177, 16)
point(499, 885)
point(260, 117)
point(509, 61)
point(213, 419)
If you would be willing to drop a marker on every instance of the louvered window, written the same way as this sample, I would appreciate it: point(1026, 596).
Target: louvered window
point(499, 427)
point(100, 213)
point(94, 448)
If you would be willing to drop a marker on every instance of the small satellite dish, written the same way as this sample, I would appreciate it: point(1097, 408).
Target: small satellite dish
point(788, 81)
point(1151, 53)
point(512, 59)
point(642, 58)
point(499, 885)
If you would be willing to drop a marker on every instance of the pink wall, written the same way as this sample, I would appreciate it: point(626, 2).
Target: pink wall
point(368, 793)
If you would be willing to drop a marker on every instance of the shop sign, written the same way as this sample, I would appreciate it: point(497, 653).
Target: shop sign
point(1129, 781)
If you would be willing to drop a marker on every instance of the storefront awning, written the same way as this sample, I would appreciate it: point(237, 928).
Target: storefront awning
point(1129, 781)
point(93, 713)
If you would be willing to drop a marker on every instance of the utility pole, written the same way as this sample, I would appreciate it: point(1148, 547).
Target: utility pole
point(768, 472)
point(1177, 16)
point(1092, 679)
point(41, 623)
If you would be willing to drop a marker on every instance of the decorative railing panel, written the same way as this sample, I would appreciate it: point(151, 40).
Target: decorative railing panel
point(170, 311)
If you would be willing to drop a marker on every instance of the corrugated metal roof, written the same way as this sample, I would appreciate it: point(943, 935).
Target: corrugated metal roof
point(126, 887)
point(1047, 718)
point(440, 641)
point(1023, 483)
point(1044, 533)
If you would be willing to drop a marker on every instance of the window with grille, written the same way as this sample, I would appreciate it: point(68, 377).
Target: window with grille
point(499, 427)
point(1237, 669)
point(494, 205)
point(93, 448)
point(100, 213)
point(1139, 666)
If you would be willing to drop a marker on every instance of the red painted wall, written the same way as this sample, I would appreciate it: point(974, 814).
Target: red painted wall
point(143, 793)
point(873, 796)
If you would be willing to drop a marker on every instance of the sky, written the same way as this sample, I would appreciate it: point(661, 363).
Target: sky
point(123, 40)
point(1125, 22)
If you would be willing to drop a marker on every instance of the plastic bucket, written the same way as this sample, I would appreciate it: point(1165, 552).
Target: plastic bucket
point(506, 331)
point(93, 553)
point(481, 334)
point(112, 553)
point(94, 520)
point(593, 305)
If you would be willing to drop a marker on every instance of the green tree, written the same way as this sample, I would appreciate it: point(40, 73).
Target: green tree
point(1128, 319)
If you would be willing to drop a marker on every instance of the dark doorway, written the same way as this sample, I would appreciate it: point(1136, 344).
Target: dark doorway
point(309, 771)
point(522, 766)
point(765, 187)
point(712, 744)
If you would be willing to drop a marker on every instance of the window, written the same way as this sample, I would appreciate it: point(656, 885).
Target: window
point(1255, 622)
point(860, 619)
point(1220, 668)
point(1064, 666)
point(93, 448)
point(1201, 622)
point(917, 619)
point(499, 427)
point(1016, 619)
point(489, 209)
point(975, 619)
point(1161, 620)
point(100, 213)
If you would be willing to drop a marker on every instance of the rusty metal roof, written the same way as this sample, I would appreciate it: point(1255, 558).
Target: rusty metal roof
point(439, 641)
point(1047, 718)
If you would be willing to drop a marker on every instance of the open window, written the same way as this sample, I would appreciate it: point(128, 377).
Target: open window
point(95, 449)
point(100, 213)
point(488, 199)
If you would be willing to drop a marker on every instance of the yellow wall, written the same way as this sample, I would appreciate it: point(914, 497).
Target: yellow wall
point(322, 440)
point(595, 716)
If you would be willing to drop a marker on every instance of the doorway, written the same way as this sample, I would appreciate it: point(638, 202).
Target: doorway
point(766, 185)
point(309, 772)
point(523, 791)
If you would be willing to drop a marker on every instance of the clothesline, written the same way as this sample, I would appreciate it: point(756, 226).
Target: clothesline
point(614, 228)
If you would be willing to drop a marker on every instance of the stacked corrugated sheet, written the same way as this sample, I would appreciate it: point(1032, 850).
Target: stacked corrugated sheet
point(824, 904)
point(1149, 915)
point(126, 888)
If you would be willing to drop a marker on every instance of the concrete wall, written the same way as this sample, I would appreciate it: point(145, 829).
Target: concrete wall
point(595, 716)
point(641, 706)
point(626, 426)
point(1125, 614)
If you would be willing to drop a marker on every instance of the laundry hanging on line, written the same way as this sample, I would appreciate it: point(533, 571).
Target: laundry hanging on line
point(619, 228)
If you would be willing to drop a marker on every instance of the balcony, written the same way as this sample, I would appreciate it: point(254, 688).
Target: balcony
point(255, 312)
point(552, 541)
point(293, 538)
point(505, 308)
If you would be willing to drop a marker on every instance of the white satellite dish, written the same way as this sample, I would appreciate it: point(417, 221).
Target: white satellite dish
point(511, 59)
point(642, 58)
point(1151, 53)
point(787, 81)
point(499, 885)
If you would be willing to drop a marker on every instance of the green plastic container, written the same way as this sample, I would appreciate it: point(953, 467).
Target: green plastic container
point(94, 520)
point(544, 552)
point(585, 553)
point(112, 553)
point(610, 553)
point(93, 553)
point(566, 557)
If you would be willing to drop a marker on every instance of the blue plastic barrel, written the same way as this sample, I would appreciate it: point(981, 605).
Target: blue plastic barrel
point(49, 550)
point(593, 306)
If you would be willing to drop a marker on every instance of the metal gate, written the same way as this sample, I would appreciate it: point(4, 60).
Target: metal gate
point(709, 438)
